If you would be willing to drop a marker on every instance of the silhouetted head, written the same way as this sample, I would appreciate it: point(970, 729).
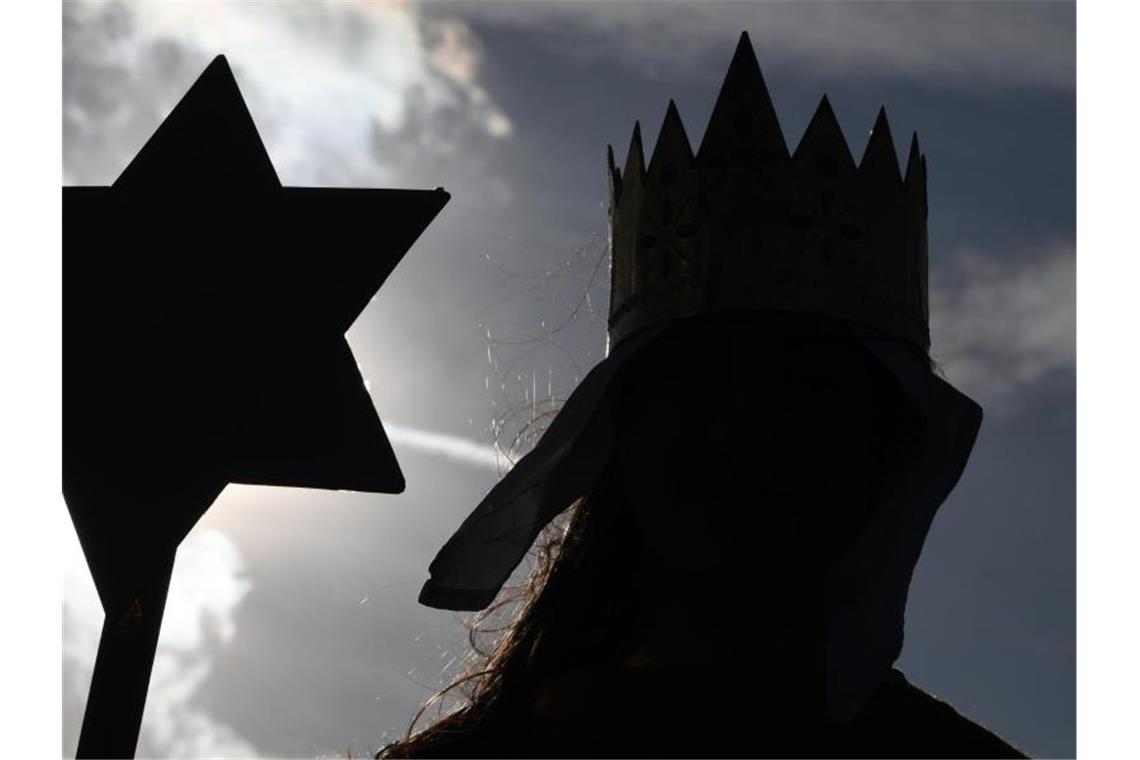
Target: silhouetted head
point(750, 448)
point(753, 443)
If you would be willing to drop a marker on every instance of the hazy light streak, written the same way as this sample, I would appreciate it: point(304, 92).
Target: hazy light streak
point(449, 446)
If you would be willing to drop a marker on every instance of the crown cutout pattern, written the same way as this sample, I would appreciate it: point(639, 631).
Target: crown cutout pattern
point(744, 225)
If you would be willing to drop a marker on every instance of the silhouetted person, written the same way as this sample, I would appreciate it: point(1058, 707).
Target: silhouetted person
point(750, 473)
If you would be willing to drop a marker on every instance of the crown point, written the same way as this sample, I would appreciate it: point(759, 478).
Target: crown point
point(672, 122)
point(916, 172)
point(744, 121)
point(634, 171)
point(673, 126)
point(882, 126)
point(912, 161)
point(672, 142)
point(744, 50)
point(614, 175)
point(880, 165)
point(824, 145)
point(825, 112)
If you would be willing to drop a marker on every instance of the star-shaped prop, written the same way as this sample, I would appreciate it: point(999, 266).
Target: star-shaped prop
point(204, 314)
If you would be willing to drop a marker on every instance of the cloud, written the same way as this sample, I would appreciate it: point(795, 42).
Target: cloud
point(206, 589)
point(1000, 325)
point(965, 44)
point(324, 81)
point(456, 54)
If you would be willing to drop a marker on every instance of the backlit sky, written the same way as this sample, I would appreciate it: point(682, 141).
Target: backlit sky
point(292, 627)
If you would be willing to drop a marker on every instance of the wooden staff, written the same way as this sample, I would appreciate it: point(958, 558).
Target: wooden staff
point(119, 682)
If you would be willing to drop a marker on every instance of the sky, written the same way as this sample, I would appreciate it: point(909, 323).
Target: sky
point(292, 627)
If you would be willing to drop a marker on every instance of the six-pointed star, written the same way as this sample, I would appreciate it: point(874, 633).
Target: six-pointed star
point(204, 314)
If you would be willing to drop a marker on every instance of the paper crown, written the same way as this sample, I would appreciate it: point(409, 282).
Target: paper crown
point(743, 225)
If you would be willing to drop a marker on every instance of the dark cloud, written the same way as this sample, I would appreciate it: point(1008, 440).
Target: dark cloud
point(947, 43)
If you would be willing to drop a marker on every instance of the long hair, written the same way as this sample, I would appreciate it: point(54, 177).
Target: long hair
point(580, 605)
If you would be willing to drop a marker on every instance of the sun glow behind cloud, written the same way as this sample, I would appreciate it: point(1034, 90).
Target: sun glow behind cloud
point(322, 79)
